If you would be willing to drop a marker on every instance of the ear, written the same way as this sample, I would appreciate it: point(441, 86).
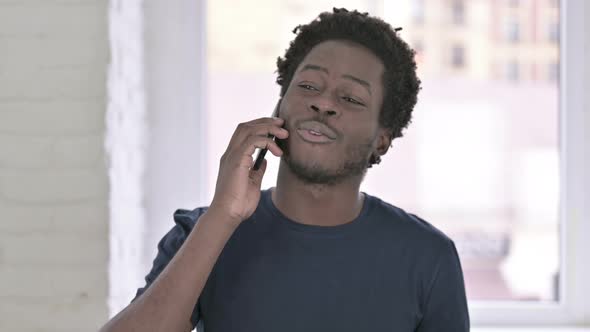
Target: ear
point(383, 141)
point(276, 112)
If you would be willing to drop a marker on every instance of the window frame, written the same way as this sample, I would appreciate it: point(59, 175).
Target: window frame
point(570, 309)
point(575, 192)
point(574, 211)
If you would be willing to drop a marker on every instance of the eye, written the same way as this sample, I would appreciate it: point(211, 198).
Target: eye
point(307, 87)
point(353, 101)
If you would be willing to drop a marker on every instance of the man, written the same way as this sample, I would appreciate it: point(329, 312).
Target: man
point(313, 253)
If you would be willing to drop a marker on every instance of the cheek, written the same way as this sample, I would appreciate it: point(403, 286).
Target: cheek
point(289, 106)
point(359, 127)
point(359, 137)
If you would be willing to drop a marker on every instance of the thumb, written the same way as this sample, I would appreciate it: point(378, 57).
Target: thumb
point(256, 176)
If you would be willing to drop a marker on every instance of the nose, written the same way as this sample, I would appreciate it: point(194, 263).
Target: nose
point(323, 105)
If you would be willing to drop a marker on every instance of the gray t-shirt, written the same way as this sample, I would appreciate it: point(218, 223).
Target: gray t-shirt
point(386, 270)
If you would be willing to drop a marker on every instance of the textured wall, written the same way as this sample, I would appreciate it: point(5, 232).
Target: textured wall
point(53, 176)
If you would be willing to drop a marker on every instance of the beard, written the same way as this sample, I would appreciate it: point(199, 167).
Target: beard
point(309, 171)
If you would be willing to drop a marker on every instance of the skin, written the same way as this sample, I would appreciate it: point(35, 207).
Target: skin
point(319, 184)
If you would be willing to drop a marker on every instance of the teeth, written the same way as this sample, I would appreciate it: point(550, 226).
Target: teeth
point(315, 133)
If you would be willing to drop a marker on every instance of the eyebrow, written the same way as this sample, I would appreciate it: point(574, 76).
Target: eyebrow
point(347, 76)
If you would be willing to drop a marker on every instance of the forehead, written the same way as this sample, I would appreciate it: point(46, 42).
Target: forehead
point(345, 57)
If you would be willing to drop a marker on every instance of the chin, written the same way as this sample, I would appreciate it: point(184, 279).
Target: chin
point(312, 173)
point(320, 171)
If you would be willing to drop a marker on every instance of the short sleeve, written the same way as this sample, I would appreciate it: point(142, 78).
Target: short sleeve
point(185, 221)
point(445, 308)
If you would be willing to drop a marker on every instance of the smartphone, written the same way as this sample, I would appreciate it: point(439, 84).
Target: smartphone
point(260, 153)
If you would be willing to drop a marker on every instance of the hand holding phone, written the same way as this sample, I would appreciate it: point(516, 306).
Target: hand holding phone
point(237, 191)
point(262, 152)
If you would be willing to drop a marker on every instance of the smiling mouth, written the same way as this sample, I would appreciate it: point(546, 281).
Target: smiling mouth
point(311, 136)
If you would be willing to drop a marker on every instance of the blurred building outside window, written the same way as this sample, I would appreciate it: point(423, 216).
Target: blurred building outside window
point(458, 56)
point(512, 71)
point(417, 11)
point(553, 72)
point(472, 163)
point(553, 32)
point(458, 12)
point(513, 31)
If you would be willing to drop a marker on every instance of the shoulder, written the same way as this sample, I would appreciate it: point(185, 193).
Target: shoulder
point(408, 226)
point(187, 219)
point(184, 222)
point(425, 248)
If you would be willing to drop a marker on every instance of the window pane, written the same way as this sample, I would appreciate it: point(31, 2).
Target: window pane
point(458, 12)
point(458, 57)
point(480, 159)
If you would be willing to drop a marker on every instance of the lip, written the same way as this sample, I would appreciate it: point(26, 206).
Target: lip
point(311, 138)
point(318, 127)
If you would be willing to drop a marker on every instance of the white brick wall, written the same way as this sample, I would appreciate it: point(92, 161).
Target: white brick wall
point(53, 179)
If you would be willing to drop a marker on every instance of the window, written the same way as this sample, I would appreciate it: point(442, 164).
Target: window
point(553, 32)
point(512, 71)
point(458, 56)
point(513, 31)
point(473, 164)
point(417, 9)
point(496, 193)
point(553, 72)
point(458, 12)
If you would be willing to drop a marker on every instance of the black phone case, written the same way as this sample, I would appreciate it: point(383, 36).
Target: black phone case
point(262, 152)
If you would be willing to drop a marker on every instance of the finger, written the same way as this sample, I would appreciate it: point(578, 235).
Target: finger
point(262, 142)
point(266, 129)
point(270, 120)
point(256, 176)
point(262, 127)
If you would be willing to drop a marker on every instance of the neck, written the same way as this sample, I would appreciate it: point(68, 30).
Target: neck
point(317, 204)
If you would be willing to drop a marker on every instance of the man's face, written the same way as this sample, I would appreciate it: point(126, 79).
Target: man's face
point(337, 90)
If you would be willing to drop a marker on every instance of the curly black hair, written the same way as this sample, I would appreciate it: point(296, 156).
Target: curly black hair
point(400, 82)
